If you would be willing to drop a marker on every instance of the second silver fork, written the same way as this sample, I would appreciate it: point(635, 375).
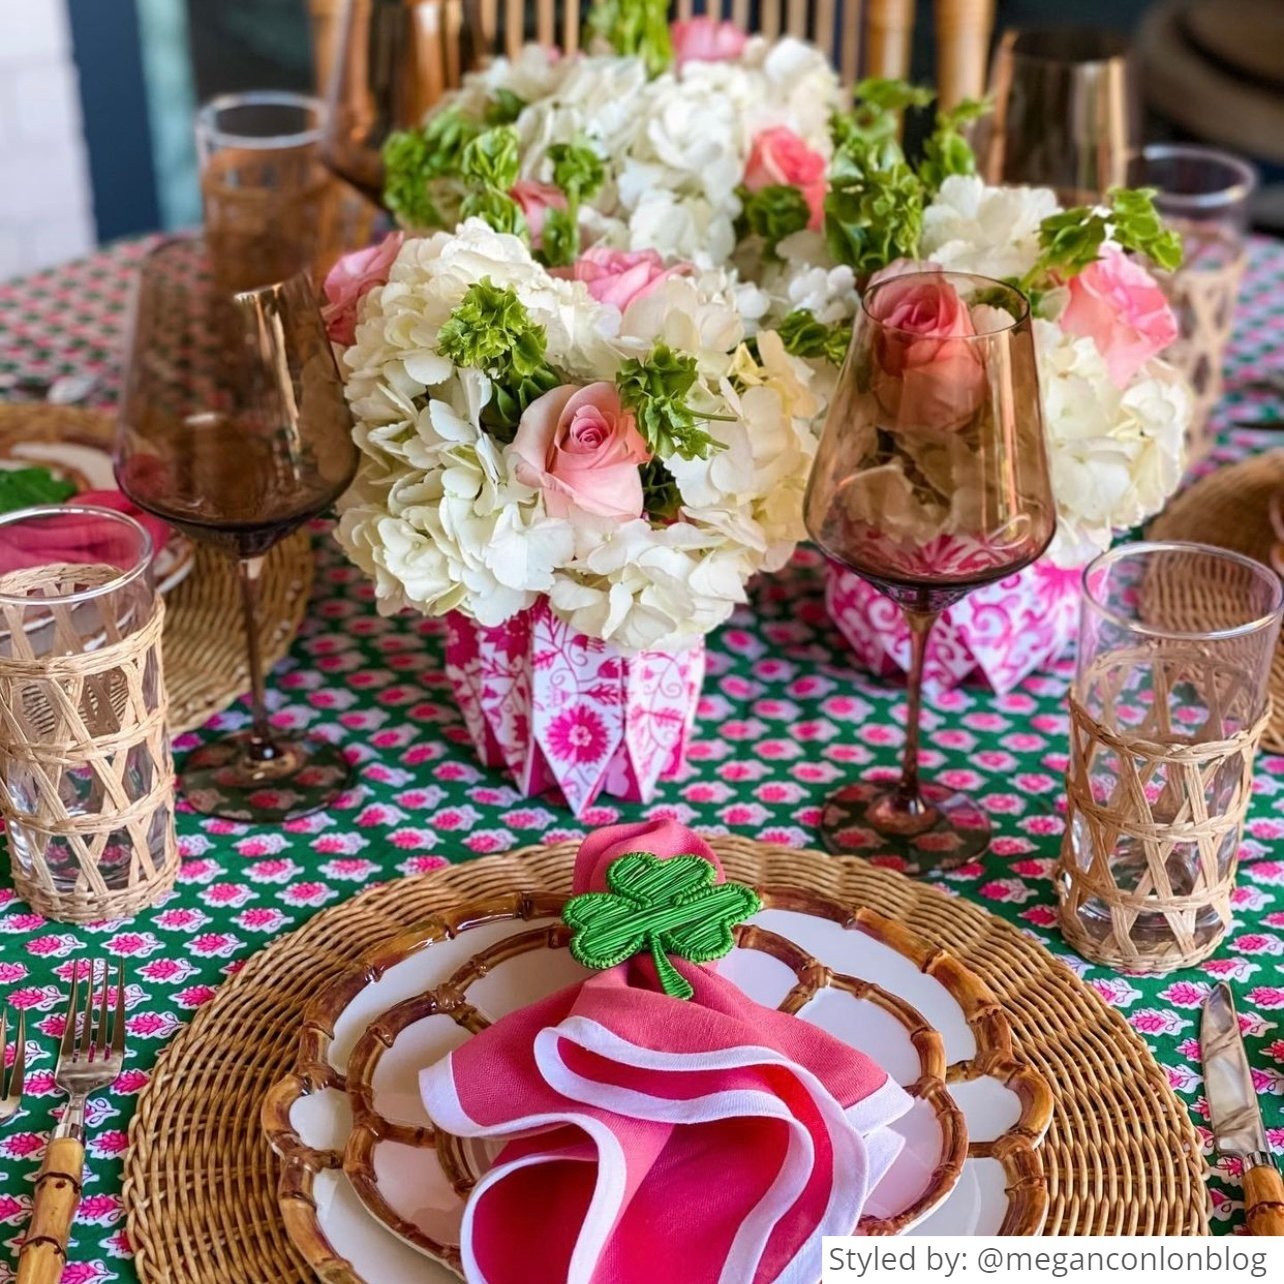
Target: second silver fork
point(85, 1066)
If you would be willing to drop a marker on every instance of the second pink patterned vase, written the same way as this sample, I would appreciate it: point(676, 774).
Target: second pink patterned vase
point(1000, 633)
point(557, 709)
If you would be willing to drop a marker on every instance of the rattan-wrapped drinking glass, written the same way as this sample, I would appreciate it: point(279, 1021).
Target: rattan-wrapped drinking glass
point(86, 779)
point(1204, 194)
point(1169, 703)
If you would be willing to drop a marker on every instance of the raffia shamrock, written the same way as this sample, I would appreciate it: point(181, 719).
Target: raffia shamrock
point(673, 906)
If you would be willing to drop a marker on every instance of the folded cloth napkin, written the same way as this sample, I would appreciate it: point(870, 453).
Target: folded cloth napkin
point(69, 541)
point(707, 1141)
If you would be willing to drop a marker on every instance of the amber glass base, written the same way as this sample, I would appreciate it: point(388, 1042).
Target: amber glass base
point(873, 819)
point(233, 778)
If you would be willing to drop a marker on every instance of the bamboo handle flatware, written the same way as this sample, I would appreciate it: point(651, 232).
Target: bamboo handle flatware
point(1264, 1200)
point(86, 1065)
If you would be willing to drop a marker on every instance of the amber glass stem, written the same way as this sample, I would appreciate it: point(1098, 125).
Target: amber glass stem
point(262, 746)
point(909, 795)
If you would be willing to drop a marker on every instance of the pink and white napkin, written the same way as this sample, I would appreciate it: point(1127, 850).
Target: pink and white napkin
point(712, 1141)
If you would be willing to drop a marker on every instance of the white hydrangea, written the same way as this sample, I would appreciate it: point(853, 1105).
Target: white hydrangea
point(675, 147)
point(439, 518)
point(993, 231)
point(1115, 454)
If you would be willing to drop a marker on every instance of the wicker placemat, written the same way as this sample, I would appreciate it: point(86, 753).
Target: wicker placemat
point(200, 1187)
point(1231, 508)
point(204, 643)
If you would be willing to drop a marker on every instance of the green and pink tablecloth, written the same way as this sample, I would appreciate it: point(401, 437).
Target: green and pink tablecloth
point(785, 715)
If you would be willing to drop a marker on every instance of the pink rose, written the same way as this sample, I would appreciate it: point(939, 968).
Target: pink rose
point(582, 449)
point(780, 157)
point(704, 40)
point(348, 281)
point(926, 374)
point(1117, 304)
point(536, 199)
point(617, 277)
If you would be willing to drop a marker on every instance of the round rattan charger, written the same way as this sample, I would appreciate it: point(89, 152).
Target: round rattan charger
point(1121, 1156)
point(1231, 508)
point(203, 644)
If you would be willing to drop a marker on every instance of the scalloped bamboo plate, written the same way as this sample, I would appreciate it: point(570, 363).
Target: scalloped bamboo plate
point(372, 1195)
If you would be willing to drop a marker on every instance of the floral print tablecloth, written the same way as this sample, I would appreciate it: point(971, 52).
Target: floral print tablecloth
point(784, 716)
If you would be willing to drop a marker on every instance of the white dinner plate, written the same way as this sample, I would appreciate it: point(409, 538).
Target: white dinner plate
point(372, 1195)
point(90, 468)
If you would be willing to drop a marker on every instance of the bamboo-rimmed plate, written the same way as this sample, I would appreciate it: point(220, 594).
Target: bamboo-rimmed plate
point(38, 440)
point(373, 1195)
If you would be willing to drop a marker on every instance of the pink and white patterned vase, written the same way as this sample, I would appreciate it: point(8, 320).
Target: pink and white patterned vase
point(558, 709)
point(1001, 632)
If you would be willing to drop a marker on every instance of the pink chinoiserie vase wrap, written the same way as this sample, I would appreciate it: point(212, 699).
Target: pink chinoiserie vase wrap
point(649, 1138)
point(1000, 633)
point(559, 710)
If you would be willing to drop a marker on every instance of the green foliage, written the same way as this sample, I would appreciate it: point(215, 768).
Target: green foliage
point(413, 159)
point(947, 151)
point(490, 330)
point(497, 208)
point(492, 159)
point(635, 27)
point(408, 165)
point(1072, 239)
point(673, 906)
point(804, 336)
point(773, 213)
point(878, 104)
point(578, 173)
point(510, 398)
point(560, 240)
point(655, 389)
point(1139, 228)
point(661, 499)
point(577, 170)
point(504, 107)
point(874, 209)
point(22, 487)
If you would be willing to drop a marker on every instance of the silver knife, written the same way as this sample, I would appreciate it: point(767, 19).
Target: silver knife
point(1235, 1114)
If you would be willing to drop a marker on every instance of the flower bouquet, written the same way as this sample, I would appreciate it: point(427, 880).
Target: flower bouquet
point(798, 195)
point(583, 487)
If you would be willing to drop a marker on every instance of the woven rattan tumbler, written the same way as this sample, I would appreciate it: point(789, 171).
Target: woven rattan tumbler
point(86, 780)
point(1168, 706)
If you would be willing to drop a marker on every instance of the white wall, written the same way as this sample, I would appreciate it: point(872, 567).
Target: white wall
point(46, 212)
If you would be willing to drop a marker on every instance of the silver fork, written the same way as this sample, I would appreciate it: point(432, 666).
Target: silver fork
point(12, 1098)
point(85, 1066)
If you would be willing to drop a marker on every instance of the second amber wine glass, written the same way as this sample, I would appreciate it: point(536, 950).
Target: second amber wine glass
point(234, 428)
point(930, 481)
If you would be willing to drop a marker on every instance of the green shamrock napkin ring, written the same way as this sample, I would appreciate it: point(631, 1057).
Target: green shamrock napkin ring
point(673, 906)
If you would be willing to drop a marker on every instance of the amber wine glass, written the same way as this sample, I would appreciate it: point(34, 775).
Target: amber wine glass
point(234, 428)
point(931, 480)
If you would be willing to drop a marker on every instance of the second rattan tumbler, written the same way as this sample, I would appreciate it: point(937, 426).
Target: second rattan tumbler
point(1168, 706)
point(86, 779)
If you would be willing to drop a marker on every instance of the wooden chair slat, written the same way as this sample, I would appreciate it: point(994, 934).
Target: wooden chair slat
point(545, 22)
point(824, 34)
point(889, 25)
point(488, 21)
point(571, 26)
point(514, 27)
point(962, 46)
